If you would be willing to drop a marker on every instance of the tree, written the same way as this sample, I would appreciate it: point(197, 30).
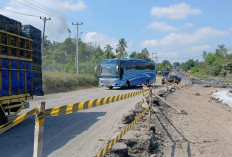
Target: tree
point(145, 54)
point(133, 54)
point(166, 63)
point(122, 45)
point(204, 55)
point(164, 66)
point(69, 32)
point(108, 50)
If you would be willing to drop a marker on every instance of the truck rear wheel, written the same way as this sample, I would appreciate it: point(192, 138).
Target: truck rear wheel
point(3, 118)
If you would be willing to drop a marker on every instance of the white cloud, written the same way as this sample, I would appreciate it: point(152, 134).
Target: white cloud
point(188, 25)
point(173, 39)
point(161, 26)
point(199, 48)
point(56, 28)
point(100, 39)
point(149, 43)
point(69, 5)
point(230, 29)
point(177, 11)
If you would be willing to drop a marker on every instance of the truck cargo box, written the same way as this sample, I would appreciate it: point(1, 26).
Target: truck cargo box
point(35, 34)
point(9, 25)
point(16, 74)
point(20, 66)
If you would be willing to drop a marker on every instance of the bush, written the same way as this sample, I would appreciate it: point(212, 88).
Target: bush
point(54, 82)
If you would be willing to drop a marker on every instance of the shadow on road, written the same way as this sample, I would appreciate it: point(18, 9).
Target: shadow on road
point(19, 140)
point(133, 88)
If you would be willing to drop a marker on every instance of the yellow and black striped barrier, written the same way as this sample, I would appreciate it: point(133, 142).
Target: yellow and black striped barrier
point(68, 109)
point(116, 139)
point(18, 120)
point(72, 108)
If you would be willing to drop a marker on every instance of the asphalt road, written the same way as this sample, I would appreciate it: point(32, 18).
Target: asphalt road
point(79, 134)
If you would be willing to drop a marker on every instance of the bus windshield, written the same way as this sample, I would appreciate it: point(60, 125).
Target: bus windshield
point(108, 69)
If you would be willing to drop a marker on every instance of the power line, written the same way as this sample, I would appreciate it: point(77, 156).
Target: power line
point(49, 9)
point(16, 12)
point(182, 57)
point(33, 7)
point(92, 30)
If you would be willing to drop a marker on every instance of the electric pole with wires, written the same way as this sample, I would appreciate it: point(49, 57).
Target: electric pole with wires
point(77, 48)
point(45, 19)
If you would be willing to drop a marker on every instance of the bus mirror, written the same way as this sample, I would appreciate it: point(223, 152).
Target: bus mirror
point(95, 69)
point(117, 68)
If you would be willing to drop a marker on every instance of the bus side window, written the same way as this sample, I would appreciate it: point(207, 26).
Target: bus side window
point(150, 66)
point(130, 65)
point(133, 65)
point(140, 66)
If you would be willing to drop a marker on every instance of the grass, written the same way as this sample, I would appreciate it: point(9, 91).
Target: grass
point(55, 82)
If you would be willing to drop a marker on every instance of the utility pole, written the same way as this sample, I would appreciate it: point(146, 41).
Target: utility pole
point(45, 19)
point(77, 53)
point(156, 58)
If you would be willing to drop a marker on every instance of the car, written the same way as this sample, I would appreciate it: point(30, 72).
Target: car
point(171, 79)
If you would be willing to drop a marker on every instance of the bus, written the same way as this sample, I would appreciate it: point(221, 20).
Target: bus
point(126, 73)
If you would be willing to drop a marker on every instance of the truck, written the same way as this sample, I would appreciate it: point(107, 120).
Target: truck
point(20, 66)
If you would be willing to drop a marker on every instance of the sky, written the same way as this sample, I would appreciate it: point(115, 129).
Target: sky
point(176, 30)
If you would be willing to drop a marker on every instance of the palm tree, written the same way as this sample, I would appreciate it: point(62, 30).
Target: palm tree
point(122, 45)
point(108, 50)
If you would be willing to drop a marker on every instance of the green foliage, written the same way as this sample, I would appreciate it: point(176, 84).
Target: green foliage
point(189, 64)
point(218, 63)
point(143, 55)
point(121, 50)
point(108, 51)
point(164, 66)
point(62, 55)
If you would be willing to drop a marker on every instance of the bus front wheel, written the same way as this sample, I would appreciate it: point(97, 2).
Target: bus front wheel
point(110, 87)
point(127, 85)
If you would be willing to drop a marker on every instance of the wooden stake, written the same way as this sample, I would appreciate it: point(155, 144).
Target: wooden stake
point(39, 131)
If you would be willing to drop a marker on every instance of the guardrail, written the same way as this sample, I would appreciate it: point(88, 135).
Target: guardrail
point(40, 114)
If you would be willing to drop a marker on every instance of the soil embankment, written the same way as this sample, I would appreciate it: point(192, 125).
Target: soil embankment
point(204, 128)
